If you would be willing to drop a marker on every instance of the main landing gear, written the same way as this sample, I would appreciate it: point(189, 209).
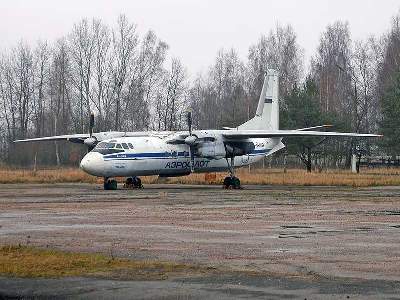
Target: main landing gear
point(130, 183)
point(133, 183)
point(231, 181)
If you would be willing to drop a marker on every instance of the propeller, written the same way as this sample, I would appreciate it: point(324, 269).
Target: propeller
point(91, 124)
point(190, 140)
point(91, 141)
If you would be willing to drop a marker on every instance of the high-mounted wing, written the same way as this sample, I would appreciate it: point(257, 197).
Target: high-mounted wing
point(243, 134)
point(314, 127)
point(81, 137)
point(75, 138)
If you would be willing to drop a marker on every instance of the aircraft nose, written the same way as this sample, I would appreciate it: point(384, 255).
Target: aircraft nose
point(93, 164)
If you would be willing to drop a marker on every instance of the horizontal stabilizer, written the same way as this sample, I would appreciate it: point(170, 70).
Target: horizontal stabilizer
point(276, 149)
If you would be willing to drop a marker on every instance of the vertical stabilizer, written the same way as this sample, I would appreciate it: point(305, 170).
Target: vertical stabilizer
point(267, 114)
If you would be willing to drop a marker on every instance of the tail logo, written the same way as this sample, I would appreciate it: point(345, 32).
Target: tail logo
point(268, 100)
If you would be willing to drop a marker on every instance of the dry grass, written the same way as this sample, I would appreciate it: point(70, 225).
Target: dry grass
point(45, 176)
point(23, 261)
point(367, 177)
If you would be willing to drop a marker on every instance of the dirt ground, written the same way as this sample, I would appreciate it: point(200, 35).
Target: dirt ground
point(261, 242)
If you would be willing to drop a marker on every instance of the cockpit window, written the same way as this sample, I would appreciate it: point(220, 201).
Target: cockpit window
point(108, 148)
point(125, 146)
point(130, 145)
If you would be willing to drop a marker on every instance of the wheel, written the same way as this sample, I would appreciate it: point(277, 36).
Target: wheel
point(231, 183)
point(137, 182)
point(129, 183)
point(110, 184)
point(227, 182)
point(235, 183)
point(133, 183)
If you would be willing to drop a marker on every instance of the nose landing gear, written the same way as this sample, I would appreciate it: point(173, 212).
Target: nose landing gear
point(133, 183)
point(110, 184)
point(130, 183)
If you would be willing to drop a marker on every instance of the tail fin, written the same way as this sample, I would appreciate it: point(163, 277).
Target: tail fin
point(267, 114)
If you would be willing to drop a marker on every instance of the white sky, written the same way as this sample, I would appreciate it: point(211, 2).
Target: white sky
point(196, 29)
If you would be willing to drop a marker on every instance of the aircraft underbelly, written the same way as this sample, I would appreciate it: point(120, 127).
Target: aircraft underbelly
point(172, 166)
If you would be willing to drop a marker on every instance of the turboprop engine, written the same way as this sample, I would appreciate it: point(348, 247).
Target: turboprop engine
point(211, 150)
point(238, 148)
point(90, 142)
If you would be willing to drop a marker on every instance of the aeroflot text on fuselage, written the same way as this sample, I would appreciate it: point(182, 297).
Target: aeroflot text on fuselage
point(186, 164)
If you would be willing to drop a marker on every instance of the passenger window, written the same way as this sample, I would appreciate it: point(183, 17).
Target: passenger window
point(125, 146)
point(118, 146)
point(130, 145)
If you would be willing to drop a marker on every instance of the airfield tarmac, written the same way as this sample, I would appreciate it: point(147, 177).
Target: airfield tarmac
point(264, 242)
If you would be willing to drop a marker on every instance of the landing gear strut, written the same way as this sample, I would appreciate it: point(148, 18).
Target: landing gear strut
point(110, 184)
point(231, 181)
point(133, 183)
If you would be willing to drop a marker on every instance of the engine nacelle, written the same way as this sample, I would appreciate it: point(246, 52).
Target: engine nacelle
point(211, 150)
point(239, 148)
point(90, 142)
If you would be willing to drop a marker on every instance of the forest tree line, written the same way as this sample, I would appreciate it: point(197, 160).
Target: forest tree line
point(131, 83)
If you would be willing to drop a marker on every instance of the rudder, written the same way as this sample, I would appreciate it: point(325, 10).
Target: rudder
point(267, 114)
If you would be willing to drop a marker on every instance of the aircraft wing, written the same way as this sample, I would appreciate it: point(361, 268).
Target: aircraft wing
point(243, 134)
point(80, 137)
point(314, 127)
point(75, 138)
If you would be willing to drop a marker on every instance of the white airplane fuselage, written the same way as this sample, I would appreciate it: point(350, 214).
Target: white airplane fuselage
point(152, 155)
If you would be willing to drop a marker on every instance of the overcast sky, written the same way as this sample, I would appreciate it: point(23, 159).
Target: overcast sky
point(196, 29)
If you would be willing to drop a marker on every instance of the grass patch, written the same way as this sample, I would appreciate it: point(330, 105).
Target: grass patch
point(24, 261)
point(61, 175)
point(367, 177)
point(297, 177)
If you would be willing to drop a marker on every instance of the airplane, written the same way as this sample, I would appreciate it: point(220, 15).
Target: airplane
point(169, 154)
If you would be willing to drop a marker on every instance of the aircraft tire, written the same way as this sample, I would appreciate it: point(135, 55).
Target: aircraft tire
point(235, 183)
point(227, 182)
point(110, 185)
point(133, 183)
point(137, 183)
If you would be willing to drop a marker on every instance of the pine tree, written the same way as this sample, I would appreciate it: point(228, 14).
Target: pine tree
point(390, 123)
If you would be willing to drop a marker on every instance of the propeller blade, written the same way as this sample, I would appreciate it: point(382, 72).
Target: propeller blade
point(91, 141)
point(91, 124)
point(191, 154)
point(189, 121)
point(190, 141)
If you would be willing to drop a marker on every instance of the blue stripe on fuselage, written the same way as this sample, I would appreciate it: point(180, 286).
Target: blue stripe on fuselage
point(164, 155)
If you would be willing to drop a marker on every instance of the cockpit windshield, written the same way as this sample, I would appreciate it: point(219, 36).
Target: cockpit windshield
point(111, 147)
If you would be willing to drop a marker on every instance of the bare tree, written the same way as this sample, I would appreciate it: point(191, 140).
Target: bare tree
point(102, 76)
point(331, 68)
point(280, 51)
point(125, 41)
point(81, 46)
point(145, 81)
point(41, 69)
point(171, 103)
